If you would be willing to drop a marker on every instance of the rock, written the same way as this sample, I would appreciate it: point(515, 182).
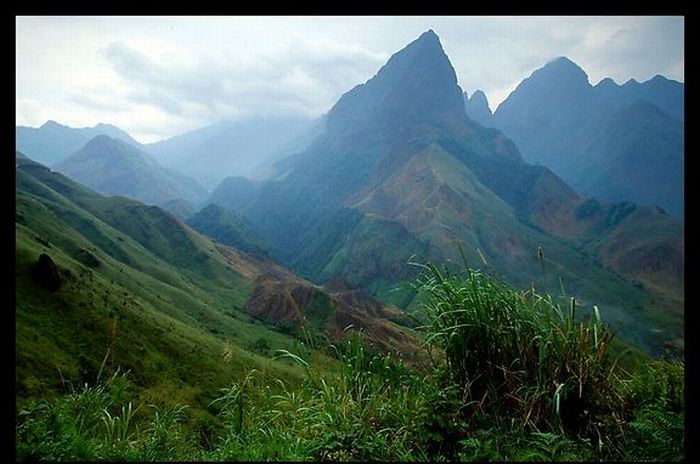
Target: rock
point(45, 272)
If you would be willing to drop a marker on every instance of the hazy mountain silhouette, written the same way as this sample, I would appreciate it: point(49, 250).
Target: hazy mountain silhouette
point(604, 140)
point(114, 167)
point(52, 142)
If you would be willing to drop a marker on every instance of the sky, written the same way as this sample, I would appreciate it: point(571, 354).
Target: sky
point(157, 77)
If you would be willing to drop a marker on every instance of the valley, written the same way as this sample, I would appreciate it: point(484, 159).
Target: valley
point(411, 275)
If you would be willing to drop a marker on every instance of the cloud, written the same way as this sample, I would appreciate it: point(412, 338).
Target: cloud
point(157, 76)
point(164, 86)
point(303, 77)
point(100, 98)
point(31, 112)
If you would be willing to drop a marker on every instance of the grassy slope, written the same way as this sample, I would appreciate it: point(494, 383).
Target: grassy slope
point(436, 201)
point(226, 228)
point(169, 322)
point(374, 256)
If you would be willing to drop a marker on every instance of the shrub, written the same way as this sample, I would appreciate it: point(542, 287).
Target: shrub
point(519, 354)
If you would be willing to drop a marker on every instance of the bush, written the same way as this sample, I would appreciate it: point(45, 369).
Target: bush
point(518, 354)
point(260, 346)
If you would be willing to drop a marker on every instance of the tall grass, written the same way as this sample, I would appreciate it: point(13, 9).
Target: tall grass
point(519, 354)
point(515, 376)
point(361, 412)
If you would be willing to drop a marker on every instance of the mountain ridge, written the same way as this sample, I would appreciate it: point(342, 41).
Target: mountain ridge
point(113, 167)
point(52, 142)
point(556, 117)
point(372, 158)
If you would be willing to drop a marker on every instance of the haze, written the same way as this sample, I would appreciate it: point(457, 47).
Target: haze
point(156, 77)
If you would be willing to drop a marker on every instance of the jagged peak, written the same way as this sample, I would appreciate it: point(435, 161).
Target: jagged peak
point(426, 46)
point(420, 76)
point(480, 97)
point(478, 105)
point(662, 80)
point(429, 35)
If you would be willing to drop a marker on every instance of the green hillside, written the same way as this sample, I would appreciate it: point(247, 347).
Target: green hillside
point(138, 289)
point(227, 228)
point(107, 283)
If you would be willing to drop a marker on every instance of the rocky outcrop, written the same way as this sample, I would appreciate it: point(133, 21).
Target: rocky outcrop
point(45, 272)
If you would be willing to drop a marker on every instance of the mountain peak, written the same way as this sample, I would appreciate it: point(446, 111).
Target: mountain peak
point(608, 82)
point(563, 68)
point(101, 125)
point(429, 36)
point(477, 108)
point(427, 44)
point(51, 124)
point(418, 80)
point(112, 146)
point(101, 140)
point(559, 80)
point(479, 97)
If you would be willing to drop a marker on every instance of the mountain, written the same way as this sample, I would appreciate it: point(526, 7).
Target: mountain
point(604, 140)
point(477, 108)
point(181, 209)
point(401, 173)
point(632, 153)
point(227, 228)
point(53, 142)
point(113, 167)
point(110, 282)
point(232, 148)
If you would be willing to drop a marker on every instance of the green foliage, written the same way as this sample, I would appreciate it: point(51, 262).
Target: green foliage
point(374, 256)
point(659, 384)
point(519, 354)
point(502, 444)
point(137, 285)
point(260, 346)
point(544, 391)
point(228, 228)
point(656, 401)
point(93, 423)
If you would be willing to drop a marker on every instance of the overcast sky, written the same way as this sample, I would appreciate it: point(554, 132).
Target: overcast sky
point(156, 77)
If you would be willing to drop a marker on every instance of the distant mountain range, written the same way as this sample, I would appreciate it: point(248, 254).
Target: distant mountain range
point(208, 155)
point(402, 172)
point(239, 148)
point(53, 142)
point(113, 167)
point(613, 142)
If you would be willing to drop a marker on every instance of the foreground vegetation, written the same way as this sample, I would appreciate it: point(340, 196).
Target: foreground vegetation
point(510, 376)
